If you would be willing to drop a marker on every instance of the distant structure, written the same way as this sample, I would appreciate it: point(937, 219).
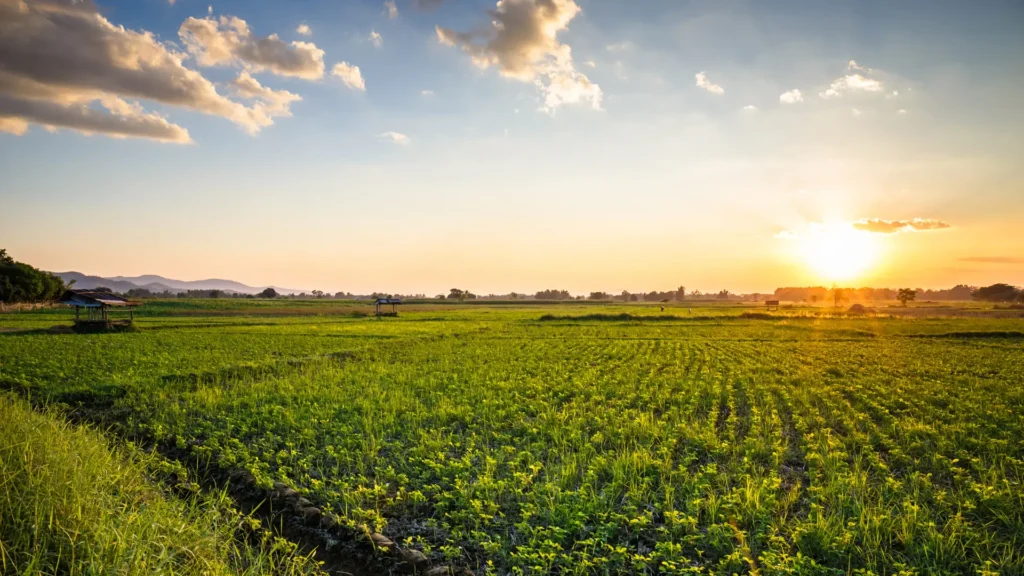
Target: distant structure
point(771, 304)
point(382, 304)
point(98, 306)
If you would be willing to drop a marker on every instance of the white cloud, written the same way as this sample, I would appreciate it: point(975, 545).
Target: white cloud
point(209, 9)
point(703, 82)
point(304, 29)
point(391, 9)
point(901, 112)
point(279, 101)
point(851, 82)
point(376, 39)
point(67, 66)
point(619, 46)
point(522, 42)
point(350, 75)
point(394, 137)
point(426, 92)
point(791, 97)
point(856, 113)
point(750, 108)
point(228, 41)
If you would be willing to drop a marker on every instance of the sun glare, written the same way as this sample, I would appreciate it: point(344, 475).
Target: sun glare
point(840, 252)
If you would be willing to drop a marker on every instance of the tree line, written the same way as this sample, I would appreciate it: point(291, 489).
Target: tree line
point(20, 282)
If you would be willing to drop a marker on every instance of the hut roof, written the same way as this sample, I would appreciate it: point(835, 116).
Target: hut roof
point(388, 301)
point(93, 299)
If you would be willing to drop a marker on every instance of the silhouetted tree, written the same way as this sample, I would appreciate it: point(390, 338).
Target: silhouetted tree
point(268, 293)
point(996, 293)
point(906, 295)
point(598, 296)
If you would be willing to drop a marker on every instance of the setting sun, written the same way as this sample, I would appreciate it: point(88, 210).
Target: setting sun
point(839, 251)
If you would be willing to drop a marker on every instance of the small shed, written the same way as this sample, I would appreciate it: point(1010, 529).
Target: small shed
point(770, 304)
point(381, 305)
point(98, 307)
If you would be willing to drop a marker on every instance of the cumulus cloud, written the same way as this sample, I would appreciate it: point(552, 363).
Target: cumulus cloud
point(118, 119)
point(852, 82)
point(703, 82)
point(394, 137)
point(376, 39)
point(228, 42)
point(277, 101)
point(522, 42)
point(64, 65)
point(879, 226)
point(391, 9)
point(791, 97)
point(350, 75)
point(304, 29)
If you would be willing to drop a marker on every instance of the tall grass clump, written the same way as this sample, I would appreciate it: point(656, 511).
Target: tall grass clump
point(69, 504)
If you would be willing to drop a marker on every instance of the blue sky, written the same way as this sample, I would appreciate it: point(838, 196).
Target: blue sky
point(666, 183)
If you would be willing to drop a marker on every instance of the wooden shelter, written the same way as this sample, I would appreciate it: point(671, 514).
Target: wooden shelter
point(97, 308)
point(769, 304)
point(381, 306)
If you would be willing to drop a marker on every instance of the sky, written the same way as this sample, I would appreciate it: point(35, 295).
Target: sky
point(413, 146)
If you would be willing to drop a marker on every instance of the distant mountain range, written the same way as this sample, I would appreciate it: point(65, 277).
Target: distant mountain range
point(155, 283)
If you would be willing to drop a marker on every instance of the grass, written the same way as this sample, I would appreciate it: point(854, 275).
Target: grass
point(69, 504)
point(620, 442)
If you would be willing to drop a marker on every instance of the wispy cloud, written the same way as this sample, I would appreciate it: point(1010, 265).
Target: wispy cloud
point(394, 137)
point(426, 92)
point(880, 226)
point(376, 39)
point(791, 97)
point(391, 9)
point(750, 108)
point(350, 75)
point(994, 259)
point(703, 82)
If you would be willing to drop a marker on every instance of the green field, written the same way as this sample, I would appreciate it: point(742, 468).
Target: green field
point(584, 439)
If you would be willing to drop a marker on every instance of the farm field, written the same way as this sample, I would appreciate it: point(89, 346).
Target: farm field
point(585, 439)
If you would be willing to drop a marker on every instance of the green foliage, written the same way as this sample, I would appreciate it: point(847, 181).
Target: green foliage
point(71, 505)
point(626, 442)
point(22, 283)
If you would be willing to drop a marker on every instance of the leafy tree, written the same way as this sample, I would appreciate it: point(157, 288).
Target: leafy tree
point(553, 295)
point(268, 293)
point(598, 296)
point(680, 294)
point(906, 295)
point(723, 295)
point(20, 282)
point(103, 289)
point(457, 294)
